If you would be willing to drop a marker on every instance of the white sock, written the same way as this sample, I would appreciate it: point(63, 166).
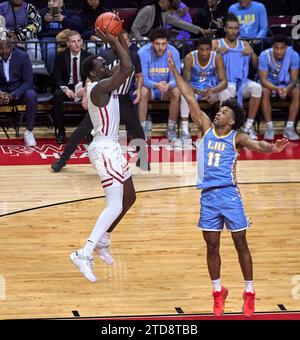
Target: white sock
point(114, 207)
point(269, 125)
point(249, 287)
point(185, 126)
point(171, 124)
point(249, 123)
point(88, 248)
point(217, 285)
point(289, 124)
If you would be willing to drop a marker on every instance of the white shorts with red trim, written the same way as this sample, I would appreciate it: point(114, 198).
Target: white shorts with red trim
point(109, 162)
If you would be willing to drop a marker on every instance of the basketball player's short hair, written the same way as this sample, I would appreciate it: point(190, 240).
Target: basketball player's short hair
point(88, 65)
point(230, 18)
point(204, 41)
point(160, 33)
point(280, 38)
point(239, 113)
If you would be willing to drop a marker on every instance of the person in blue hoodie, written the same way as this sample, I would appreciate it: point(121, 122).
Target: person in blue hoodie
point(253, 19)
point(159, 83)
point(279, 71)
point(52, 24)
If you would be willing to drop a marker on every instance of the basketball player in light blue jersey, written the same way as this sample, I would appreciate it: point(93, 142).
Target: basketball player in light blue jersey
point(237, 55)
point(204, 70)
point(221, 202)
point(279, 71)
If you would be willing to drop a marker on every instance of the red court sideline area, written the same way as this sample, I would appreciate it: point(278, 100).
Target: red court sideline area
point(13, 152)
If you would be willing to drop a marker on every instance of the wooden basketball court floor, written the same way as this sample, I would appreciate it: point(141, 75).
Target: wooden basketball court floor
point(160, 256)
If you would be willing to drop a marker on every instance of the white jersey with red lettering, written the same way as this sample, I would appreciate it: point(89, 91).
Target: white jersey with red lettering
point(106, 119)
point(105, 152)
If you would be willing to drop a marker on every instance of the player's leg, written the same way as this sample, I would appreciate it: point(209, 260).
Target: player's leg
point(212, 239)
point(143, 105)
point(184, 113)
point(237, 222)
point(245, 260)
point(290, 131)
point(213, 258)
point(267, 111)
point(83, 258)
point(173, 96)
point(103, 246)
point(212, 222)
point(253, 91)
point(129, 198)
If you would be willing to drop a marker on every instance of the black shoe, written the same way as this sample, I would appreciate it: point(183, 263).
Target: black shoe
point(144, 168)
point(58, 165)
point(60, 137)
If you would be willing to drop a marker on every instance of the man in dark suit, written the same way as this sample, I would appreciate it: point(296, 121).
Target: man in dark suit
point(16, 84)
point(68, 74)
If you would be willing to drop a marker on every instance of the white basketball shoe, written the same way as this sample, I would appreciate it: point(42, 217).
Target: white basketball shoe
point(84, 264)
point(103, 252)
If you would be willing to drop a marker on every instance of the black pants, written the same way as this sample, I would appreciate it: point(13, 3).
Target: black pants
point(128, 116)
point(58, 113)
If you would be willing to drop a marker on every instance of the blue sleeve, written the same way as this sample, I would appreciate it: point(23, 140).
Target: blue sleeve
point(71, 21)
point(295, 61)
point(27, 78)
point(263, 22)
point(263, 62)
point(231, 9)
point(176, 57)
point(145, 68)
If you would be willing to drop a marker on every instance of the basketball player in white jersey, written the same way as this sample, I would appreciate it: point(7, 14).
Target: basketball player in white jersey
point(105, 151)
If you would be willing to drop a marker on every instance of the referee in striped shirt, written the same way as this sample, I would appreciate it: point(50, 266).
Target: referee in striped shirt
point(128, 115)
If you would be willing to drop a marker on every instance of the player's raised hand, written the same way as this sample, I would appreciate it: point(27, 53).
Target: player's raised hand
point(171, 62)
point(280, 145)
point(106, 37)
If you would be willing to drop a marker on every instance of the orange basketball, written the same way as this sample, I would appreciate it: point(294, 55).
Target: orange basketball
point(110, 23)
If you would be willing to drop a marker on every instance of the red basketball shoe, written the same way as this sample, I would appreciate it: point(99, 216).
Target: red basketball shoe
point(219, 301)
point(249, 304)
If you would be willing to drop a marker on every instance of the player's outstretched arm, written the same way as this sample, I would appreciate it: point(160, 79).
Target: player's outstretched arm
point(122, 72)
point(243, 140)
point(199, 117)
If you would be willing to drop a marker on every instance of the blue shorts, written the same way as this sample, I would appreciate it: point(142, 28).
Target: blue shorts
point(222, 206)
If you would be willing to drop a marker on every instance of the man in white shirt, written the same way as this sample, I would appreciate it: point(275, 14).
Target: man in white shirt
point(68, 74)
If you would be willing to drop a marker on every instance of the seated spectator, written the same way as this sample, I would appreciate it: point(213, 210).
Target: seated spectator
point(88, 14)
point(237, 55)
point(68, 73)
point(153, 14)
point(23, 23)
point(16, 84)
point(204, 70)
point(279, 71)
point(252, 17)
point(211, 17)
point(159, 83)
point(54, 20)
point(181, 11)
